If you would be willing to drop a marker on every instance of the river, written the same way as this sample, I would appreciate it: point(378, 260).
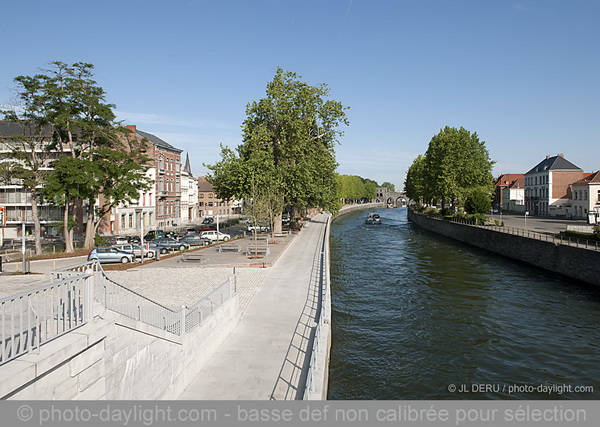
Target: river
point(419, 316)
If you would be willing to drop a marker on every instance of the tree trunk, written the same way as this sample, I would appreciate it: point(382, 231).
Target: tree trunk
point(277, 223)
point(67, 233)
point(37, 229)
point(90, 227)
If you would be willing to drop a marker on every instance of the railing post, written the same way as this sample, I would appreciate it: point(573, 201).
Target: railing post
point(89, 292)
point(182, 328)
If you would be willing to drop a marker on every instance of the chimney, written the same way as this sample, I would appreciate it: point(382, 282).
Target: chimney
point(561, 155)
point(131, 128)
point(547, 157)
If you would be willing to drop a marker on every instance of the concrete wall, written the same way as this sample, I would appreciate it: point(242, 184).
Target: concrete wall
point(577, 263)
point(115, 357)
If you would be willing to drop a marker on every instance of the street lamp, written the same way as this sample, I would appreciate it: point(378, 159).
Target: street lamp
point(526, 213)
point(138, 212)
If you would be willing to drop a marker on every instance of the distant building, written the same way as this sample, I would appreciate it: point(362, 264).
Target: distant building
point(548, 186)
point(209, 204)
point(189, 193)
point(508, 181)
point(586, 196)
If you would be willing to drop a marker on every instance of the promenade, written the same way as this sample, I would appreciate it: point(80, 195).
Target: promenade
point(264, 357)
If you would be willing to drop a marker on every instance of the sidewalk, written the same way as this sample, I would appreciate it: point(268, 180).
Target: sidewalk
point(264, 356)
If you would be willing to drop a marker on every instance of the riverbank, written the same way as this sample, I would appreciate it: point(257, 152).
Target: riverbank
point(574, 262)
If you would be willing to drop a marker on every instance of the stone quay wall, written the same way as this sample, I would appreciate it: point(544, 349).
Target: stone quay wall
point(114, 357)
point(577, 263)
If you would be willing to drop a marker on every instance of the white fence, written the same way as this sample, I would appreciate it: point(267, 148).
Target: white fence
point(32, 318)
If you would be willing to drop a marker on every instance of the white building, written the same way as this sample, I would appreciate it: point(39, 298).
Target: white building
point(124, 219)
point(586, 197)
point(189, 194)
point(513, 196)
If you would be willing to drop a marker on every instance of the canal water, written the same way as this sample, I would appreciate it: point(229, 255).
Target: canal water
point(419, 316)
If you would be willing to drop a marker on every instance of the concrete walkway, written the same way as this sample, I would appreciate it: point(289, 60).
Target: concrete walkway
point(264, 356)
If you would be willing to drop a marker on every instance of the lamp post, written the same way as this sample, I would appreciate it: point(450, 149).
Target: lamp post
point(526, 213)
point(138, 212)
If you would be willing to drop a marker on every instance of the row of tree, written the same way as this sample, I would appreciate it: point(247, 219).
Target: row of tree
point(69, 150)
point(352, 189)
point(455, 166)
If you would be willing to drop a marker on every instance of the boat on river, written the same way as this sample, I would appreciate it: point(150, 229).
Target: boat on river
point(373, 218)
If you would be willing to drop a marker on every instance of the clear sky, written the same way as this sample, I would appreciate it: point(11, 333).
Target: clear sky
point(523, 74)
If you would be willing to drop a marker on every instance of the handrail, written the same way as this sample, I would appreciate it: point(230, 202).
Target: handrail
point(31, 318)
point(322, 319)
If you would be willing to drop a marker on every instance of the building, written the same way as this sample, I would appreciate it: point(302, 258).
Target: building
point(586, 197)
point(548, 186)
point(189, 193)
point(511, 182)
point(513, 196)
point(209, 203)
point(14, 198)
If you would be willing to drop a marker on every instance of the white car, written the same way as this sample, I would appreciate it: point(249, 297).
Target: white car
point(258, 228)
point(136, 250)
point(215, 236)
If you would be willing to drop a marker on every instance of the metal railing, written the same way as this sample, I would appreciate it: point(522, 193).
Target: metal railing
point(323, 322)
point(547, 237)
point(124, 301)
point(32, 318)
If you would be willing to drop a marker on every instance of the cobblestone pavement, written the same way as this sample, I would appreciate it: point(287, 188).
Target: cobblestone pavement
point(175, 287)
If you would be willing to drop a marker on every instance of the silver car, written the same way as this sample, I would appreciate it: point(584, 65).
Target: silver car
point(110, 254)
point(136, 250)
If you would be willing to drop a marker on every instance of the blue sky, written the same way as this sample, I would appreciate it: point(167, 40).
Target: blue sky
point(523, 74)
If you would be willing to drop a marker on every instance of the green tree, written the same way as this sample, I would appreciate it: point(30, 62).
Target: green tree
point(478, 201)
point(415, 183)
point(389, 186)
point(456, 161)
point(289, 138)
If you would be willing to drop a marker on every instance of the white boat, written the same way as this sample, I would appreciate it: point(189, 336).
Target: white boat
point(373, 218)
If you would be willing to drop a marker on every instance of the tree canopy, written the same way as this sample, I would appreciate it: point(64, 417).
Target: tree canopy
point(288, 148)
point(352, 188)
point(455, 163)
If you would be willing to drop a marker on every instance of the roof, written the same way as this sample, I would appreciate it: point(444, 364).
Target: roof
point(508, 179)
point(157, 141)
point(555, 163)
point(518, 183)
point(187, 168)
point(204, 186)
point(592, 178)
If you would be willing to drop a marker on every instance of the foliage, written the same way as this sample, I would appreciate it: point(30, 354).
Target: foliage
point(478, 202)
point(288, 147)
point(389, 186)
point(455, 162)
point(99, 240)
point(597, 231)
point(353, 188)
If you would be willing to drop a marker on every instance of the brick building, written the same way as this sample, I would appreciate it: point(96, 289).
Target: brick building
point(209, 203)
point(548, 186)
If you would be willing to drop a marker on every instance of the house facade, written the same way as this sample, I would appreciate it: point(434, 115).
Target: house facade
point(209, 204)
point(548, 186)
point(586, 197)
point(14, 198)
point(506, 188)
point(189, 194)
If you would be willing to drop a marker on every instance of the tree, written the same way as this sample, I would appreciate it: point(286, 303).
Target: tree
point(415, 183)
point(389, 186)
point(478, 202)
point(288, 138)
point(455, 162)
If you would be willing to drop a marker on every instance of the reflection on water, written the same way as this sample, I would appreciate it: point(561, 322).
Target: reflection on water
point(414, 312)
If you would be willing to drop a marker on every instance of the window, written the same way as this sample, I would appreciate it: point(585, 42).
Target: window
point(122, 220)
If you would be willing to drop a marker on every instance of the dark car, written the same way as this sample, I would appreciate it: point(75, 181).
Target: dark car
point(110, 254)
point(207, 227)
point(166, 244)
point(195, 240)
point(153, 234)
point(134, 240)
point(208, 220)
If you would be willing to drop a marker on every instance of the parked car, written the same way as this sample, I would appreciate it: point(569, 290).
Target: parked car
point(166, 244)
point(259, 228)
point(107, 254)
point(214, 235)
point(207, 227)
point(136, 250)
point(121, 240)
point(208, 220)
point(134, 240)
point(153, 234)
point(195, 240)
point(285, 219)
